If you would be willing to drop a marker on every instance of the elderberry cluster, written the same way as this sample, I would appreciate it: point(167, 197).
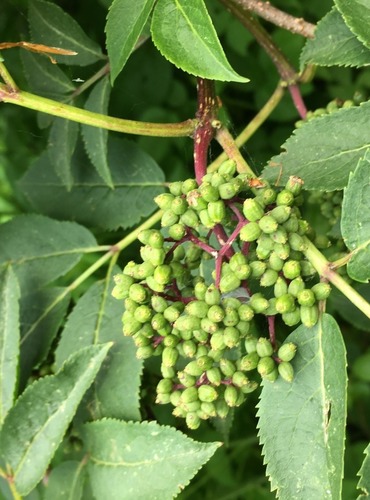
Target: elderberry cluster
point(254, 238)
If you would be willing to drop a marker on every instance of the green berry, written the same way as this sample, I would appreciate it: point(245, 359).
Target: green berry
point(216, 313)
point(231, 318)
point(285, 197)
point(306, 297)
point(187, 323)
point(228, 190)
point(250, 344)
point(195, 200)
point(245, 312)
point(171, 313)
point(264, 347)
point(143, 313)
point(130, 327)
point(208, 192)
point(188, 185)
point(291, 318)
point(282, 250)
point(227, 367)
point(164, 386)
point(205, 362)
point(279, 236)
point(231, 336)
point(286, 371)
point(269, 278)
point(123, 283)
point(280, 287)
point(163, 399)
point(208, 408)
point(171, 340)
point(163, 274)
point(321, 291)
point(144, 270)
point(297, 242)
point(281, 213)
point(189, 395)
point(268, 224)
point(250, 232)
point(169, 356)
point(145, 352)
point(294, 185)
point(209, 326)
point(169, 218)
point(207, 393)
point(190, 218)
point(228, 167)
point(158, 321)
point(309, 315)
point(252, 210)
point(285, 303)
point(243, 327)
point(156, 239)
point(249, 362)
point(229, 282)
point(197, 308)
point(275, 262)
point(164, 201)
point(205, 219)
point(212, 296)
point(291, 269)
point(258, 303)
point(265, 366)
point(216, 211)
point(272, 376)
point(189, 348)
point(154, 285)
point(176, 188)
point(192, 368)
point(138, 293)
point(307, 268)
point(214, 376)
point(296, 286)
point(231, 395)
point(186, 380)
point(257, 268)
point(159, 304)
point(287, 351)
point(266, 196)
point(177, 231)
point(239, 379)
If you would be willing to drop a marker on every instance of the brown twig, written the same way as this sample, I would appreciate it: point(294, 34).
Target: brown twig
point(276, 16)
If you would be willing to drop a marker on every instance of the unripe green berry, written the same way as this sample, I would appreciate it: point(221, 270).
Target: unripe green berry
point(168, 372)
point(292, 224)
point(279, 236)
point(206, 219)
point(159, 304)
point(268, 224)
point(275, 262)
point(250, 344)
point(179, 412)
point(205, 362)
point(144, 270)
point(188, 185)
point(195, 200)
point(281, 213)
point(228, 190)
point(156, 239)
point(227, 367)
point(189, 395)
point(246, 312)
point(169, 356)
point(294, 185)
point(154, 285)
point(163, 399)
point(193, 253)
point(209, 326)
point(262, 252)
point(187, 323)
point(265, 366)
point(257, 268)
point(138, 293)
point(269, 278)
point(285, 197)
point(285, 303)
point(286, 371)
point(280, 287)
point(186, 380)
point(217, 341)
point(272, 376)
point(130, 327)
point(175, 188)
point(197, 308)
point(296, 286)
point(231, 336)
point(306, 297)
point(212, 296)
point(207, 393)
point(321, 291)
point(231, 318)
point(239, 379)
point(164, 201)
point(177, 231)
point(266, 196)
point(164, 386)
point(171, 340)
point(291, 318)
point(208, 408)
point(287, 351)
point(258, 303)
point(130, 306)
point(193, 369)
point(252, 210)
point(243, 327)
point(291, 269)
point(250, 232)
point(145, 352)
point(171, 313)
point(143, 313)
point(229, 282)
point(309, 315)
point(189, 348)
point(179, 205)
point(251, 386)
point(231, 395)
point(216, 313)
point(282, 250)
point(307, 268)
point(163, 274)
point(264, 347)
point(228, 167)
point(216, 211)
point(158, 321)
point(155, 256)
point(190, 218)
point(169, 218)
point(208, 192)
point(297, 242)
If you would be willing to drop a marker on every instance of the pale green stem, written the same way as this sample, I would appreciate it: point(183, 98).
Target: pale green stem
point(252, 126)
point(99, 74)
point(225, 139)
point(5, 75)
point(68, 112)
point(324, 268)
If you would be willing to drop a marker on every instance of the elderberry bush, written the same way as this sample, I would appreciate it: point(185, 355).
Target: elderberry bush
point(254, 237)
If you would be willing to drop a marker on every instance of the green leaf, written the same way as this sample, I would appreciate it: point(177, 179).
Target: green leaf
point(364, 473)
point(334, 44)
point(62, 143)
point(137, 461)
point(50, 25)
point(41, 249)
point(66, 481)
point(97, 319)
point(184, 34)
point(125, 23)
point(136, 177)
point(324, 150)
point(40, 321)
point(355, 222)
point(302, 424)
point(44, 78)
point(9, 339)
point(36, 424)
point(95, 138)
point(356, 13)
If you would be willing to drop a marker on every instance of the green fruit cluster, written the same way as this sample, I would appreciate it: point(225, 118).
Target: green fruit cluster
point(331, 107)
point(201, 328)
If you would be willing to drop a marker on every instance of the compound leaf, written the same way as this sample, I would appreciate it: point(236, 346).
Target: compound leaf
point(324, 150)
point(96, 319)
point(184, 34)
point(125, 23)
point(121, 452)
point(356, 13)
point(41, 249)
point(334, 44)
point(66, 481)
point(9, 339)
point(364, 473)
point(302, 424)
point(50, 25)
point(136, 177)
point(35, 426)
point(62, 143)
point(95, 138)
point(355, 222)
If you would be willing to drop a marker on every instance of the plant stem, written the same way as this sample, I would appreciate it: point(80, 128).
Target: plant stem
point(276, 16)
point(204, 131)
point(325, 270)
point(68, 112)
point(99, 74)
point(225, 139)
point(253, 125)
point(8, 80)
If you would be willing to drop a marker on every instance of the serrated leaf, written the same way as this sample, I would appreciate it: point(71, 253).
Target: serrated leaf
point(50, 25)
point(65, 482)
point(302, 424)
point(62, 142)
point(334, 44)
point(96, 139)
point(137, 461)
point(44, 78)
point(40, 321)
point(356, 13)
point(364, 473)
point(125, 23)
point(324, 150)
point(9, 339)
point(96, 319)
point(36, 424)
point(184, 34)
point(41, 249)
point(136, 177)
point(355, 222)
